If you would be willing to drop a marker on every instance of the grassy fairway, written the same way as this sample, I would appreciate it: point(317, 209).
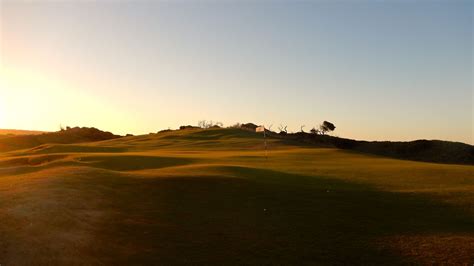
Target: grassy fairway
point(210, 197)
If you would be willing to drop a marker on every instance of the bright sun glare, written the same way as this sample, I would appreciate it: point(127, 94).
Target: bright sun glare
point(24, 93)
point(3, 89)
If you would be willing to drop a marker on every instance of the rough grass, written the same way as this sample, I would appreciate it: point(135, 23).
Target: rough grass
point(211, 197)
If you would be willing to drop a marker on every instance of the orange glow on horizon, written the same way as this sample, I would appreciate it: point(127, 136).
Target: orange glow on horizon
point(32, 100)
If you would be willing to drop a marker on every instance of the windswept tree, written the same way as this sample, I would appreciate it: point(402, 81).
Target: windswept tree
point(326, 127)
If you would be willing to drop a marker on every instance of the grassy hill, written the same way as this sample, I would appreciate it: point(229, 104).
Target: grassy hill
point(11, 132)
point(436, 151)
point(421, 150)
point(71, 135)
point(207, 197)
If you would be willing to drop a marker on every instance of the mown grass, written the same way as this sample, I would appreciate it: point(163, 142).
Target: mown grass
point(211, 197)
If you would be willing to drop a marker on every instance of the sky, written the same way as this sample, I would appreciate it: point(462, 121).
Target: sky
point(379, 70)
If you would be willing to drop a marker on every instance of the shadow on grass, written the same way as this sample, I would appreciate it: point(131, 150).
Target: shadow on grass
point(24, 165)
point(69, 148)
point(133, 162)
point(263, 218)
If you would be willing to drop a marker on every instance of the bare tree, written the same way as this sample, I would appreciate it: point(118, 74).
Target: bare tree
point(282, 129)
point(236, 125)
point(202, 123)
point(209, 124)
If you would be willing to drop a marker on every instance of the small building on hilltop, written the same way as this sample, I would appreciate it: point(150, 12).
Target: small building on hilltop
point(249, 126)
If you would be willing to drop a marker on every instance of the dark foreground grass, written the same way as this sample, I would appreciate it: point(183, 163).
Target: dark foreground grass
point(257, 217)
point(266, 220)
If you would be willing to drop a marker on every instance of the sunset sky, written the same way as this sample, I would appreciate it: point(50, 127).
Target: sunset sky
point(379, 70)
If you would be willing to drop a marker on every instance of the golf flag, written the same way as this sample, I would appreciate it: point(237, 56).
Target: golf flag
point(262, 129)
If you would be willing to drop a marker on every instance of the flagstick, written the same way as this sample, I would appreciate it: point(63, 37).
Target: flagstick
point(265, 140)
point(259, 129)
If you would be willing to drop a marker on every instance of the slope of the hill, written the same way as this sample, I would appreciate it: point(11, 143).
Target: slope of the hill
point(436, 151)
point(214, 197)
point(421, 150)
point(72, 135)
